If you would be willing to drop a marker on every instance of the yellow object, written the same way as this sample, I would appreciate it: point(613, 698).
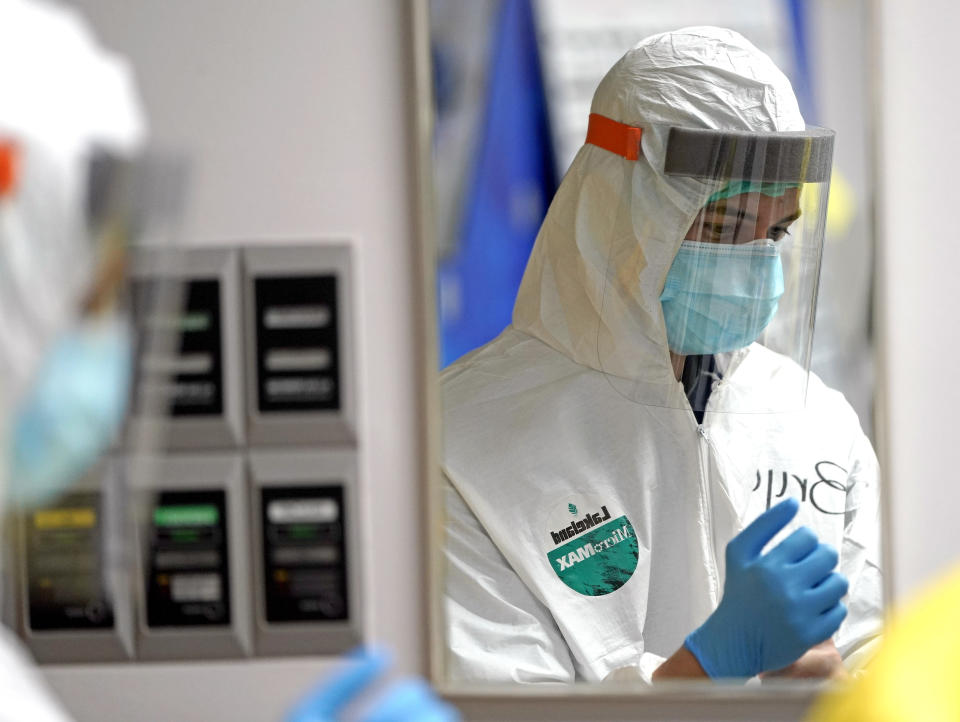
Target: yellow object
point(841, 206)
point(79, 518)
point(916, 673)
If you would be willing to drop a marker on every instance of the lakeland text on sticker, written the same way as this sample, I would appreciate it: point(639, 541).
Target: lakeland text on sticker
point(597, 558)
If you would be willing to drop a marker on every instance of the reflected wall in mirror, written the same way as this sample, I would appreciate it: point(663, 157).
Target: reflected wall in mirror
point(651, 467)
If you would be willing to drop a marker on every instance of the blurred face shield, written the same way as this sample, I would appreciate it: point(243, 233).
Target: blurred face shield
point(727, 289)
point(65, 338)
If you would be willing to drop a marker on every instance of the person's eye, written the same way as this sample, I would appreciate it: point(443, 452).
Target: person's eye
point(779, 232)
point(723, 230)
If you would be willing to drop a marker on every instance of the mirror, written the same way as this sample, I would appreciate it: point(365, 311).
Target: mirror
point(630, 377)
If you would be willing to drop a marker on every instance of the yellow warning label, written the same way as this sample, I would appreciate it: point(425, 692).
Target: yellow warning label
point(78, 518)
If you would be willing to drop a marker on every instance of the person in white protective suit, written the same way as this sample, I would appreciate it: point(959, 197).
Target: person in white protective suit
point(65, 105)
point(621, 455)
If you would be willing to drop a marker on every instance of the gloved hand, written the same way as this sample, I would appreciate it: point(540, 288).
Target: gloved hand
point(774, 607)
point(407, 700)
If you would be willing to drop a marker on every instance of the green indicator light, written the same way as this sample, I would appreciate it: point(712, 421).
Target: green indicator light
point(302, 531)
point(189, 515)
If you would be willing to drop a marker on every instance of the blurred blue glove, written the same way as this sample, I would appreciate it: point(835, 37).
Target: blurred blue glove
point(407, 700)
point(774, 607)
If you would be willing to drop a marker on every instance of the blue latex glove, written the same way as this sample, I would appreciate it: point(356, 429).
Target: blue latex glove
point(774, 607)
point(404, 701)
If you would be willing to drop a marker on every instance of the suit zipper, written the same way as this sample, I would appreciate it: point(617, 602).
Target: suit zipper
point(713, 571)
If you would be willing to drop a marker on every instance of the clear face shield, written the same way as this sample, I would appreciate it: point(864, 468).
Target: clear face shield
point(718, 287)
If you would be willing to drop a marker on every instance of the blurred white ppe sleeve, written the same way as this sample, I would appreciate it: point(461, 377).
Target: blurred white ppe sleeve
point(25, 695)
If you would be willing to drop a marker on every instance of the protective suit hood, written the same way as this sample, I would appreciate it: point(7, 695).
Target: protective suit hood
point(588, 508)
point(592, 286)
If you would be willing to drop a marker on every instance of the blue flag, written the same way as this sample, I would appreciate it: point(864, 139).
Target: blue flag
point(802, 77)
point(513, 180)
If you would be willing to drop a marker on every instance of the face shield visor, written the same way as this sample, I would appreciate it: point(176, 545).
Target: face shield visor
point(68, 225)
point(711, 288)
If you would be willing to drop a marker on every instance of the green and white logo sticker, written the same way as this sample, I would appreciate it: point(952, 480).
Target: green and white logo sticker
point(598, 558)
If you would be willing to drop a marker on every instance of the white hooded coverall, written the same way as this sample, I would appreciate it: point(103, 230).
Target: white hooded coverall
point(551, 469)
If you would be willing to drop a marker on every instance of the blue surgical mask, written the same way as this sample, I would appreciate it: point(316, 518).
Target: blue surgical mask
point(72, 411)
point(720, 297)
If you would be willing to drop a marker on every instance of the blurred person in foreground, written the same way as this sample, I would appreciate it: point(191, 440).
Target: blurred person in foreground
point(68, 109)
point(65, 346)
point(915, 674)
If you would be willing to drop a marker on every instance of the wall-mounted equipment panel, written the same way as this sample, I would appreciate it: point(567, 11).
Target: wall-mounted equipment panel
point(239, 471)
point(75, 595)
point(307, 576)
point(187, 310)
point(193, 532)
point(299, 339)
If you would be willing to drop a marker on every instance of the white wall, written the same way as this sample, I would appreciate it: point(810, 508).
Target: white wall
point(295, 116)
point(918, 160)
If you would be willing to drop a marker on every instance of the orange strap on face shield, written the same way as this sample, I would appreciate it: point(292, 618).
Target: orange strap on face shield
point(624, 140)
point(8, 168)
